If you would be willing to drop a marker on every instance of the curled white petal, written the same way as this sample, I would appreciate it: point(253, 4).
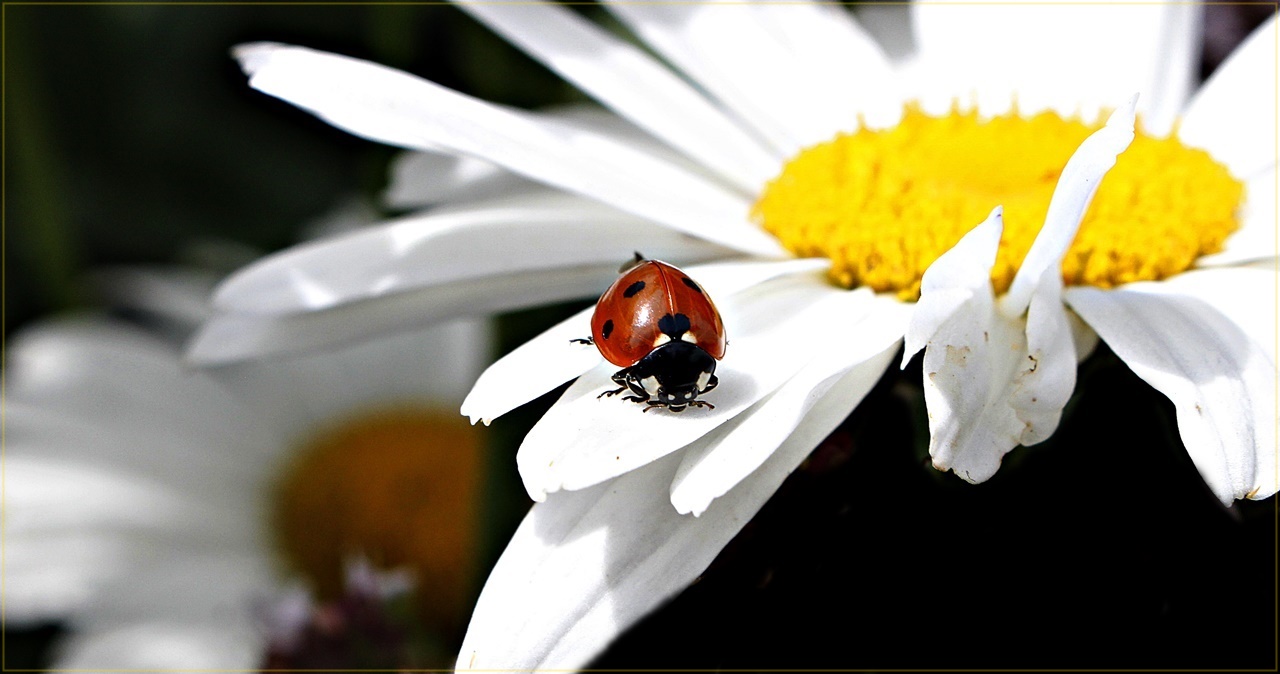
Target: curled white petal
point(992, 381)
point(958, 277)
point(1076, 186)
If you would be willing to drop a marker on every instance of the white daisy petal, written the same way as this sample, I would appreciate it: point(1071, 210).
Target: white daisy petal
point(1175, 63)
point(1246, 295)
point(992, 380)
point(586, 565)
point(420, 179)
point(95, 391)
point(720, 459)
point(433, 366)
point(970, 50)
point(891, 27)
point(214, 584)
point(627, 80)
point(229, 338)
point(542, 232)
point(164, 645)
point(533, 368)
point(1234, 114)
point(550, 359)
point(1222, 384)
point(1047, 377)
point(1256, 238)
point(48, 495)
point(583, 440)
point(176, 295)
point(960, 276)
point(837, 56)
point(1071, 197)
point(728, 51)
point(393, 107)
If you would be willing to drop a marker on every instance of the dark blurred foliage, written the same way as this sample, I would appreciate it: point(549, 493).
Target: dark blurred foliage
point(130, 133)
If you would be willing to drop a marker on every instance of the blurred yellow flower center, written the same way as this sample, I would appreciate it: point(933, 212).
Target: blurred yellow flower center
point(883, 205)
point(398, 487)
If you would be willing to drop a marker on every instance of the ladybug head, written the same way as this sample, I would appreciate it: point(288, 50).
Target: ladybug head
point(681, 371)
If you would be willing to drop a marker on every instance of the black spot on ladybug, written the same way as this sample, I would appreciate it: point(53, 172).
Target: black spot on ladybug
point(606, 329)
point(689, 282)
point(673, 326)
point(633, 289)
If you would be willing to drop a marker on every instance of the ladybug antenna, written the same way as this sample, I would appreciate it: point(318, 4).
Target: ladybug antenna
point(632, 263)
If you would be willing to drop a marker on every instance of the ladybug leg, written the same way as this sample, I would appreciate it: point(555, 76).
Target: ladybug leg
point(703, 403)
point(580, 340)
point(652, 405)
point(639, 395)
point(624, 380)
point(711, 383)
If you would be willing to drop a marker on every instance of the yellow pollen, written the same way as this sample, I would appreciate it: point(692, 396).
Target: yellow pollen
point(883, 205)
point(398, 487)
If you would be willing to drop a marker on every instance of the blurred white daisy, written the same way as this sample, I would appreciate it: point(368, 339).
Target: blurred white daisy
point(167, 516)
point(789, 140)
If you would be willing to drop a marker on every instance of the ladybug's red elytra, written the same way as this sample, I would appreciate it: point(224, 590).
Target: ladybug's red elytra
point(662, 329)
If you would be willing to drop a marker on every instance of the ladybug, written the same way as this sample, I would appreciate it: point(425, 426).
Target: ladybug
point(659, 326)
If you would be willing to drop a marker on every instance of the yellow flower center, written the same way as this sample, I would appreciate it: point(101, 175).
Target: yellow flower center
point(398, 487)
point(883, 205)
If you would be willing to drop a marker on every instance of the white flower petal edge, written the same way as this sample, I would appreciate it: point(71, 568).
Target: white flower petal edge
point(1222, 384)
point(233, 337)
point(717, 461)
point(419, 179)
point(583, 440)
point(551, 358)
point(393, 107)
point(586, 565)
point(1132, 48)
point(451, 244)
point(730, 52)
point(630, 82)
point(1243, 91)
point(1245, 295)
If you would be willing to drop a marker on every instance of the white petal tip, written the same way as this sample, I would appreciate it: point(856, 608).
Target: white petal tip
point(1126, 115)
point(686, 506)
point(252, 55)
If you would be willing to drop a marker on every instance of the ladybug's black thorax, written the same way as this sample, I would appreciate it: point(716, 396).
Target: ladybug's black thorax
point(678, 366)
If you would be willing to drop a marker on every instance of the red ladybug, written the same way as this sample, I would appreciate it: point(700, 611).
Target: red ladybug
point(659, 326)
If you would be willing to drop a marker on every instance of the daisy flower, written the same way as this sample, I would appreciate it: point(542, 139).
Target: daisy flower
point(939, 185)
point(179, 519)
